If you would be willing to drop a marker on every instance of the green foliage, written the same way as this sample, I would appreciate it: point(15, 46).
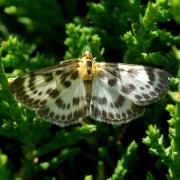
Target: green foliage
point(149, 176)
point(36, 34)
point(81, 39)
point(170, 156)
point(156, 143)
point(39, 22)
point(176, 10)
point(152, 51)
point(4, 172)
point(127, 161)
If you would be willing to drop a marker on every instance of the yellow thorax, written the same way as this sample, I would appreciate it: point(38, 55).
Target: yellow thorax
point(88, 67)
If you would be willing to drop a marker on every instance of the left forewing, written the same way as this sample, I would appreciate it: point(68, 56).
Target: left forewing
point(57, 94)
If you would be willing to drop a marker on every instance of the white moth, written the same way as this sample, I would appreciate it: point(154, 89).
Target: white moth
point(107, 92)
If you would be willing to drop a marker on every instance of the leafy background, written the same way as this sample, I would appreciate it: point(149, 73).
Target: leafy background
point(36, 34)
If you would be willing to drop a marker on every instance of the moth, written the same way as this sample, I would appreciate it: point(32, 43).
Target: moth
point(67, 93)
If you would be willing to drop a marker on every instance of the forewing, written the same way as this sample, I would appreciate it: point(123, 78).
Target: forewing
point(140, 84)
point(57, 93)
point(110, 105)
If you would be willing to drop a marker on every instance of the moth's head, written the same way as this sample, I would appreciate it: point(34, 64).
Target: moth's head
point(87, 55)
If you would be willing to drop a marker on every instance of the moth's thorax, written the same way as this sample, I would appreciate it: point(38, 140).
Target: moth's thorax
point(88, 67)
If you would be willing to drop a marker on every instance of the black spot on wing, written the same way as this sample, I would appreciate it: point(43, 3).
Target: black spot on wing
point(74, 75)
point(118, 116)
point(51, 114)
point(43, 102)
point(48, 77)
point(43, 112)
point(63, 117)
point(40, 93)
point(68, 106)
point(153, 94)
point(104, 114)
point(53, 92)
point(76, 100)
point(110, 115)
point(138, 97)
point(132, 73)
point(112, 82)
point(59, 102)
point(58, 72)
point(31, 84)
point(119, 102)
point(128, 88)
point(66, 84)
point(69, 116)
point(57, 117)
point(151, 75)
point(146, 96)
point(99, 100)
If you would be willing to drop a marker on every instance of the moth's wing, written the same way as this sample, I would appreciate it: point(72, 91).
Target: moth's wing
point(120, 91)
point(109, 105)
point(35, 84)
point(56, 93)
point(140, 84)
